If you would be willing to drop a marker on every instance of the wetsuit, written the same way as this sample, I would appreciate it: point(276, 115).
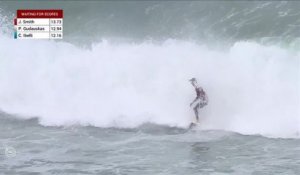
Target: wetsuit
point(201, 97)
point(200, 101)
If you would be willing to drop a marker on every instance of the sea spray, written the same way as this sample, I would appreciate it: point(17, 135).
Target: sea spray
point(253, 89)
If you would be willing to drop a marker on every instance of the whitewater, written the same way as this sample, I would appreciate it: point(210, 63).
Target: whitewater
point(113, 96)
point(253, 89)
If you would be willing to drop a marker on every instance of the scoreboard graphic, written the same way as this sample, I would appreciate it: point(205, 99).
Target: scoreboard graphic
point(39, 24)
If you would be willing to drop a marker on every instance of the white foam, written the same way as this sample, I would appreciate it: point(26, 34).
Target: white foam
point(253, 89)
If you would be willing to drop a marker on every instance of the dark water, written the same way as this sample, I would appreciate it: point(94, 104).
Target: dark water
point(149, 149)
point(205, 21)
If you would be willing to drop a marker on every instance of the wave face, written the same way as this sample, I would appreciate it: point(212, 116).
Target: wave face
point(253, 88)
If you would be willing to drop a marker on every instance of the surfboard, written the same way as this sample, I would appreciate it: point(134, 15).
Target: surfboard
point(193, 125)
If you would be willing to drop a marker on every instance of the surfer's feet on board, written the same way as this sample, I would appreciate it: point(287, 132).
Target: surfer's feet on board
point(193, 124)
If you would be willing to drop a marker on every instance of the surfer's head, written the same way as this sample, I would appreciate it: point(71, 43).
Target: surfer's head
point(193, 81)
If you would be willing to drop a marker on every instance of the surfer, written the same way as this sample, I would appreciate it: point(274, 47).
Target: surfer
point(201, 99)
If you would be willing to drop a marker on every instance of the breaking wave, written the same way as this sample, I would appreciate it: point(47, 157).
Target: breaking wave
point(253, 89)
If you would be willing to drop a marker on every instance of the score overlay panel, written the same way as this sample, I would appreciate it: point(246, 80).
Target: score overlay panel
point(39, 24)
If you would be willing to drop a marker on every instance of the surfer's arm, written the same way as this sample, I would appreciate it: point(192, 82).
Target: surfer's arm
point(194, 101)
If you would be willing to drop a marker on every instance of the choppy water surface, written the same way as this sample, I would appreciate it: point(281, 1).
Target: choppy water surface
point(149, 149)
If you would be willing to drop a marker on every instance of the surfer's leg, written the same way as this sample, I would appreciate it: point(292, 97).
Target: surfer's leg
point(196, 108)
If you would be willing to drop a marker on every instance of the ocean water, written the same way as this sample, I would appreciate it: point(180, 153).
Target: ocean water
point(148, 149)
point(113, 96)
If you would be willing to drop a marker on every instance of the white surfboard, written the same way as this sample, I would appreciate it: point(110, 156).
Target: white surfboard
point(194, 124)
